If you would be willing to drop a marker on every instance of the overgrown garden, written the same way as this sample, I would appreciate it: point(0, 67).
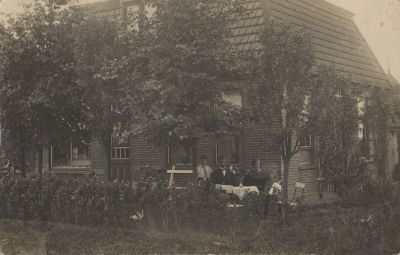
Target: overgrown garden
point(66, 74)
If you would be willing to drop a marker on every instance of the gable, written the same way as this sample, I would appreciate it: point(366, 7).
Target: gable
point(335, 37)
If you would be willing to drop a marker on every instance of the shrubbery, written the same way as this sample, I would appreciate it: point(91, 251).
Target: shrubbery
point(67, 200)
point(89, 201)
point(370, 224)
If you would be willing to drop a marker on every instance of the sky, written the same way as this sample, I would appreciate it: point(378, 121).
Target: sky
point(378, 21)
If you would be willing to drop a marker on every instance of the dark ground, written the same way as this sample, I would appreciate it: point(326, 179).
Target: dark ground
point(325, 230)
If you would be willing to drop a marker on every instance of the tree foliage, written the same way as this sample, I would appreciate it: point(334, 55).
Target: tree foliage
point(65, 72)
point(379, 114)
point(335, 118)
point(40, 99)
point(108, 68)
point(282, 84)
point(190, 63)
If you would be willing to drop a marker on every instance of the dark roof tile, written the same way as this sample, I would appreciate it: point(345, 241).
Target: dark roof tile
point(335, 37)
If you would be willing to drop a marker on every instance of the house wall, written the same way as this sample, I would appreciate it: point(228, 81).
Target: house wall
point(393, 157)
point(98, 158)
point(337, 42)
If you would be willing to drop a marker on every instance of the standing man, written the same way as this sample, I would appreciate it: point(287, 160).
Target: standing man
point(204, 171)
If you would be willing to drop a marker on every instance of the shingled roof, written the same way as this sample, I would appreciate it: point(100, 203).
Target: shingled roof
point(393, 81)
point(336, 39)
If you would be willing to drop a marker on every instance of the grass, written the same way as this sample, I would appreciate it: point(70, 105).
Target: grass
point(17, 237)
point(315, 232)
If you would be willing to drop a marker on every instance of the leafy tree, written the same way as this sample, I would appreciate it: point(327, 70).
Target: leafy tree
point(108, 66)
point(379, 113)
point(281, 85)
point(190, 61)
point(65, 76)
point(335, 118)
point(40, 96)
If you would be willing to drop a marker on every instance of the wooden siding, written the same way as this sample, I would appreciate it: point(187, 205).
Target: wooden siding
point(98, 158)
point(143, 154)
point(337, 42)
point(46, 159)
point(120, 170)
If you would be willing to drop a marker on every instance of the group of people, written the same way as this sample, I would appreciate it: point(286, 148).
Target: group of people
point(229, 175)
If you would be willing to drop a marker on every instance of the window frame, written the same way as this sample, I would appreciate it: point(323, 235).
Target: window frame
point(70, 163)
point(239, 149)
point(115, 149)
point(179, 165)
point(225, 97)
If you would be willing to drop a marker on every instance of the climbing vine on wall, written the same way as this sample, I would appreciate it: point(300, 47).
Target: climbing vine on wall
point(378, 117)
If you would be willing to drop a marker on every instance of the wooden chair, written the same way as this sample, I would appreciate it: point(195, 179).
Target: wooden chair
point(298, 194)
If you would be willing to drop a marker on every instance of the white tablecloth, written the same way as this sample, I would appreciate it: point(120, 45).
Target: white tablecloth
point(241, 192)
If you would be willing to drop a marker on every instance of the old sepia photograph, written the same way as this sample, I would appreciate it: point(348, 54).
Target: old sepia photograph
point(200, 127)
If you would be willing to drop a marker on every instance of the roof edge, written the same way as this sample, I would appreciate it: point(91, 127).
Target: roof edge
point(100, 6)
point(333, 8)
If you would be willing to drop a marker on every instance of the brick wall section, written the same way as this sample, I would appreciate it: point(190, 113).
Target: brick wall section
point(259, 144)
point(143, 154)
point(207, 147)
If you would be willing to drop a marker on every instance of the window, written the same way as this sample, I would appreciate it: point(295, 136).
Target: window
point(110, 15)
point(229, 148)
point(306, 141)
point(132, 16)
point(120, 148)
point(305, 153)
point(362, 127)
point(150, 9)
point(60, 155)
point(134, 11)
point(234, 97)
point(80, 151)
point(120, 153)
point(75, 154)
point(180, 156)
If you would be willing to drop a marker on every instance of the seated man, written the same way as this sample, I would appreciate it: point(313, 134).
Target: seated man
point(256, 177)
point(222, 175)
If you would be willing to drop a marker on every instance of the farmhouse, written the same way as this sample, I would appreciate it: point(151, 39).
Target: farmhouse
point(337, 43)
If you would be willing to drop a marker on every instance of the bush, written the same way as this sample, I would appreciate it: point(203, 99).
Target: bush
point(372, 229)
point(67, 200)
point(94, 202)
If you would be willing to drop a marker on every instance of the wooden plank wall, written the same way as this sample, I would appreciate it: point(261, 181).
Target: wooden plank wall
point(98, 158)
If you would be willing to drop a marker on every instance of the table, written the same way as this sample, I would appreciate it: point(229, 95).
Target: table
point(240, 191)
